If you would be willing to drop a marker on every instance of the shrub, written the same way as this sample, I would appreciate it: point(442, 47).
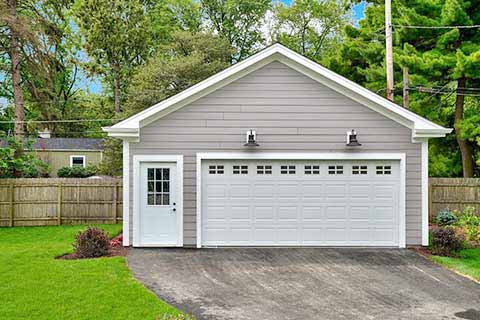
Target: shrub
point(92, 243)
point(470, 223)
point(445, 218)
point(77, 172)
point(445, 241)
point(17, 159)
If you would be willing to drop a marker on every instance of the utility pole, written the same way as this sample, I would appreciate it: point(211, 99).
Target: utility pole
point(406, 85)
point(389, 48)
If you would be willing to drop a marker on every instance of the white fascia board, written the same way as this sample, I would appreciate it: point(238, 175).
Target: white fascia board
point(280, 53)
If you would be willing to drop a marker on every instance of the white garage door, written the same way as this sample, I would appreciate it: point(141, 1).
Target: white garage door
point(300, 203)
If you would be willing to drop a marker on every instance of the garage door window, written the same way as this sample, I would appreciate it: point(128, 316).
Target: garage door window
point(359, 170)
point(264, 169)
point(335, 170)
point(287, 169)
point(312, 169)
point(158, 186)
point(216, 169)
point(242, 169)
point(384, 170)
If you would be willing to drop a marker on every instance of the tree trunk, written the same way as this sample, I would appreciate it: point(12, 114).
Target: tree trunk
point(116, 93)
point(465, 147)
point(16, 75)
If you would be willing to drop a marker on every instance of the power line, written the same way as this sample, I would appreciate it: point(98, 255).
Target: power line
point(437, 27)
point(435, 91)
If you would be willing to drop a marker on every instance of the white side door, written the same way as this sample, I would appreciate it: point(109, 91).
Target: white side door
point(158, 204)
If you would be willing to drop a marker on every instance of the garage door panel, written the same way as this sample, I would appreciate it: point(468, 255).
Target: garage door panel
point(303, 206)
point(264, 190)
point(335, 213)
point(311, 191)
point(360, 192)
point(239, 191)
point(335, 235)
point(287, 213)
point(240, 213)
point(360, 213)
point(312, 213)
point(335, 191)
point(263, 213)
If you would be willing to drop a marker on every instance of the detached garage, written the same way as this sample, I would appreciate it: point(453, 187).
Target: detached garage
point(276, 151)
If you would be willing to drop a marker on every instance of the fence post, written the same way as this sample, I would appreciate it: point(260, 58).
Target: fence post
point(59, 204)
point(12, 204)
point(114, 202)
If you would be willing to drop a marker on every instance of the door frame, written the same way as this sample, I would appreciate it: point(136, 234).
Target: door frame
point(137, 160)
point(306, 156)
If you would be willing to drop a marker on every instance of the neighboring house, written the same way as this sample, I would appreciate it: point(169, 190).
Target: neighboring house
point(67, 152)
point(190, 178)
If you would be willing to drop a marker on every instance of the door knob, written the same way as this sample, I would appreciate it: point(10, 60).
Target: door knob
point(174, 209)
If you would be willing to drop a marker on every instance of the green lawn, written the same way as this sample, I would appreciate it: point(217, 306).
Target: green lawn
point(34, 285)
point(468, 264)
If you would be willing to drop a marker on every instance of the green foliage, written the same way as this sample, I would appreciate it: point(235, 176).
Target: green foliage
point(446, 241)
point(237, 21)
point(445, 218)
point(76, 172)
point(116, 36)
point(189, 59)
point(18, 161)
point(112, 162)
point(470, 222)
point(311, 27)
point(435, 58)
point(92, 243)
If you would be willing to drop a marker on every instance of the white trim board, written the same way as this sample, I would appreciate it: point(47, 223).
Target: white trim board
point(137, 159)
point(425, 195)
point(126, 193)
point(421, 127)
point(304, 156)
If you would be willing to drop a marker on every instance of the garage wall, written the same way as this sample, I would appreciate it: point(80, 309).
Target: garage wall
point(291, 113)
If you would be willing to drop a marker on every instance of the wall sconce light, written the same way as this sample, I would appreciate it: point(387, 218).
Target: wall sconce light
point(251, 139)
point(352, 139)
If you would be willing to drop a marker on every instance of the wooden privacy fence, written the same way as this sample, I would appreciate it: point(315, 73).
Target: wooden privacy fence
point(56, 201)
point(453, 194)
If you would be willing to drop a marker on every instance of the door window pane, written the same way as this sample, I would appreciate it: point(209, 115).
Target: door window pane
point(158, 186)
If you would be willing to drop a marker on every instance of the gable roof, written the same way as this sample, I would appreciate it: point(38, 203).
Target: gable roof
point(421, 127)
point(59, 144)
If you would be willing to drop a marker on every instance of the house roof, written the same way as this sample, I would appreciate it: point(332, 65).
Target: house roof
point(421, 127)
point(88, 144)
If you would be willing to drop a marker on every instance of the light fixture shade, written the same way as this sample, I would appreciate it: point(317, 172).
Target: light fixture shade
point(352, 140)
point(251, 139)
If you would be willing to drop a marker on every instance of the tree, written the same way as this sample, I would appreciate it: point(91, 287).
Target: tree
point(117, 39)
point(311, 27)
point(189, 59)
point(238, 21)
point(12, 25)
point(443, 60)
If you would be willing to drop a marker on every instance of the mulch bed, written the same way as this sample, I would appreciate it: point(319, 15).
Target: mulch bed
point(424, 251)
point(116, 249)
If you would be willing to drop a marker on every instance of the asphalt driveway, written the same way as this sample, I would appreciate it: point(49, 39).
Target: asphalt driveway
point(305, 284)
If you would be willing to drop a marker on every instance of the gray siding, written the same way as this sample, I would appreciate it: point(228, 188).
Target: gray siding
point(291, 113)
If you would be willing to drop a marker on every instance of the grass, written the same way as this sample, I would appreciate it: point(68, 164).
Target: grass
point(34, 285)
point(467, 263)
